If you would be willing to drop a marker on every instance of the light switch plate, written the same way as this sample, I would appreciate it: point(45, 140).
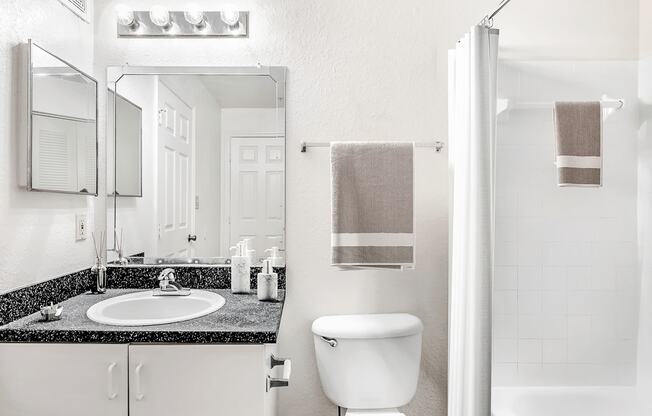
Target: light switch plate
point(81, 227)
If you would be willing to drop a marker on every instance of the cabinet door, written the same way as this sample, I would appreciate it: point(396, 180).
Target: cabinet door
point(198, 380)
point(63, 380)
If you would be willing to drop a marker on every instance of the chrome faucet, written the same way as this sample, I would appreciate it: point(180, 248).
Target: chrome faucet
point(167, 286)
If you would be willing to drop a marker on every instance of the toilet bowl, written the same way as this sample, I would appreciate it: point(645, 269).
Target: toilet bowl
point(368, 364)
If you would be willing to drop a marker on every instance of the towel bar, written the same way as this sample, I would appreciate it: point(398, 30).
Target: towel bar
point(438, 146)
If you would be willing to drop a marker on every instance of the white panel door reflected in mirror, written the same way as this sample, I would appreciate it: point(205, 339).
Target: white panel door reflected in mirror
point(213, 166)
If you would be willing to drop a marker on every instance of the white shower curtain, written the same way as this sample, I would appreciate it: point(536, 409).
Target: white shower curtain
point(472, 125)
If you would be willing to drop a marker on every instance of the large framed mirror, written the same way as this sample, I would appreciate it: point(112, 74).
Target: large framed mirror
point(211, 151)
point(61, 125)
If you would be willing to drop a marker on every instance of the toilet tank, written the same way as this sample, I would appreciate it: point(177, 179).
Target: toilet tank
point(368, 361)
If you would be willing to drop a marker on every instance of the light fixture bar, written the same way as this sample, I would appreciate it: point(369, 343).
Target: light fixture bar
point(212, 25)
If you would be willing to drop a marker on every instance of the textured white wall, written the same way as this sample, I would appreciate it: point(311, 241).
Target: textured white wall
point(354, 73)
point(38, 229)
point(358, 70)
point(549, 30)
point(371, 70)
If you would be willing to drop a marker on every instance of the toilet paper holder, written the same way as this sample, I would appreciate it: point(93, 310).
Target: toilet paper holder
point(287, 372)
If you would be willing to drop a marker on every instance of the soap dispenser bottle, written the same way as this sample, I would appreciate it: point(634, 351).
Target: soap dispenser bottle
point(240, 270)
point(267, 282)
point(274, 255)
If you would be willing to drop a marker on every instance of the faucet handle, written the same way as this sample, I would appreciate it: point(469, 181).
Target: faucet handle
point(167, 274)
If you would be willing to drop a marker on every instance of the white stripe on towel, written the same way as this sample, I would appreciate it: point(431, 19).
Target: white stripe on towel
point(582, 162)
point(372, 239)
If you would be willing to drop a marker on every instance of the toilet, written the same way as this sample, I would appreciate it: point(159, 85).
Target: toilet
point(369, 364)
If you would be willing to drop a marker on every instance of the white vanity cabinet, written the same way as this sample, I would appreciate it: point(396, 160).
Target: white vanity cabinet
point(63, 380)
point(137, 380)
point(200, 380)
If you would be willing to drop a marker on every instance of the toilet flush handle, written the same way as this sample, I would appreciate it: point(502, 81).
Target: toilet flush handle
point(330, 341)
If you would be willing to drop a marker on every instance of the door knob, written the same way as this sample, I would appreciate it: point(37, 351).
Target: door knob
point(192, 237)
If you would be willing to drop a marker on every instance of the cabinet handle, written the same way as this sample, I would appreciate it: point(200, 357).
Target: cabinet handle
point(287, 372)
point(139, 393)
point(111, 394)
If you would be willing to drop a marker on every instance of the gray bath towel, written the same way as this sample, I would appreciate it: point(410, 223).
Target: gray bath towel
point(372, 187)
point(578, 131)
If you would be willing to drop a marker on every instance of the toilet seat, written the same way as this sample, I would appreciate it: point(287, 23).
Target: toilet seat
point(373, 412)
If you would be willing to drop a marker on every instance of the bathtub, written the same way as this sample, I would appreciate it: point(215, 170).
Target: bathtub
point(567, 401)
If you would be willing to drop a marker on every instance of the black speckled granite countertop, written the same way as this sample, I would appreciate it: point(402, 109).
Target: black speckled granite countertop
point(242, 320)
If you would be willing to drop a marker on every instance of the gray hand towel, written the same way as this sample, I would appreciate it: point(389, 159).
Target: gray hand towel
point(372, 187)
point(578, 131)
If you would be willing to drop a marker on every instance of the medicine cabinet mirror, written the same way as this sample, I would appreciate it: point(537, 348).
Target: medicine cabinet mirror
point(61, 125)
point(203, 148)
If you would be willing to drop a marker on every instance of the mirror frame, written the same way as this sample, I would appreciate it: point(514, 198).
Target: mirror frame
point(276, 73)
point(29, 120)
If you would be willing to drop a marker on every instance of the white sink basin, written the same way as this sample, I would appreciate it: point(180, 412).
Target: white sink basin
point(142, 308)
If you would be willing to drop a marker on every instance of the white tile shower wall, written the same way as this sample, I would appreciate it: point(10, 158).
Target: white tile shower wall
point(565, 292)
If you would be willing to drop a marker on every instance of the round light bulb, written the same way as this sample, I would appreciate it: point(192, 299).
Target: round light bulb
point(126, 16)
point(194, 15)
point(230, 17)
point(160, 16)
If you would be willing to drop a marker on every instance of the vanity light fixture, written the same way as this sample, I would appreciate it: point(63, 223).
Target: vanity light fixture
point(160, 16)
point(161, 22)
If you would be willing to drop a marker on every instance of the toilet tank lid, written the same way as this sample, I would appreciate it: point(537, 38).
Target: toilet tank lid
point(391, 325)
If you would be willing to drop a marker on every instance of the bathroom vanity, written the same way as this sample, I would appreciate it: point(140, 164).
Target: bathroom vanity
point(223, 363)
point(195, 162)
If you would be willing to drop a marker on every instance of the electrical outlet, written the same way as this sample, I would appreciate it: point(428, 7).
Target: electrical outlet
point(81, 227)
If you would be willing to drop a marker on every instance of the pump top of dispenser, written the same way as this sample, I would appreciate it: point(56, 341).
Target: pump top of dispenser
point(238, 249)
point(274, 256)
point(267, 266)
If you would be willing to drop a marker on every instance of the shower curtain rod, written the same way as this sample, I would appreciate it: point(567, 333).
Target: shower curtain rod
point(488, 19)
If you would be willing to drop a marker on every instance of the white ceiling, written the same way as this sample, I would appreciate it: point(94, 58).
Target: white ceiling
point(233, 91)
